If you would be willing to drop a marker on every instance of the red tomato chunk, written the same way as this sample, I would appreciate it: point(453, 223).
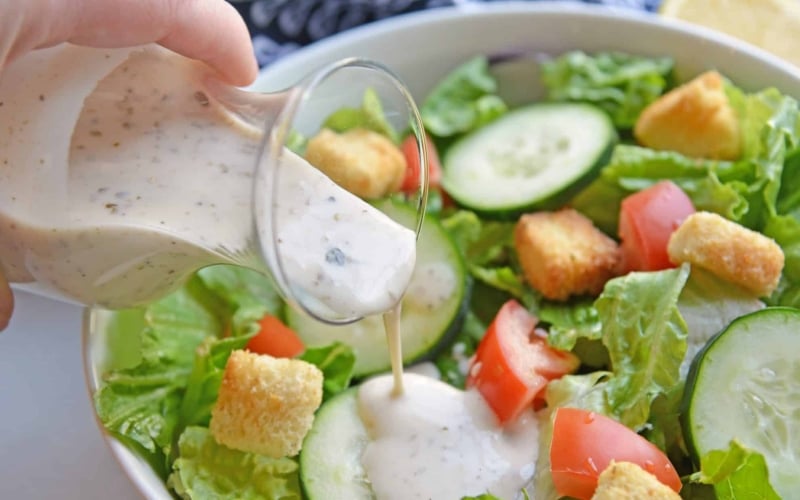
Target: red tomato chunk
point(584, 444)
point(512, 364)
point(646, 221)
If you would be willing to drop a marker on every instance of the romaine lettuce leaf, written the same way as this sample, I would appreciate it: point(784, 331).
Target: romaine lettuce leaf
point(639, 323)
point(183, 353)
point(206, 469)
point(202, 386)
point(569, 322)
point(453, 362)
point(482, 243)
point(463, 101)
point(336, 361)
point(239, 287)
point(142, 404)
point(711, 185)
point(369, 116)
point(770, 128)
point(646, 339)
point(503, 278)
point(621, 84)
point(737, 473)
point(785, 230)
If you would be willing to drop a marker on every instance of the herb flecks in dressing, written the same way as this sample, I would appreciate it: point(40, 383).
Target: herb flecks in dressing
point(160, 183)
point(436, 441)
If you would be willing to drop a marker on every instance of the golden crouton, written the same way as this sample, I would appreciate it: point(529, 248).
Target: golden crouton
point(628, 481)
point(563, 254)
point(694, 119)
point(266, 405)
point(729, 250)
point(363, 162)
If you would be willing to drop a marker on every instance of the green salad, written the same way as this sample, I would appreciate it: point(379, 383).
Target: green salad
point(646, 232)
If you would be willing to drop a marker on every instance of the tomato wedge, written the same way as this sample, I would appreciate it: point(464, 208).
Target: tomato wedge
point(275, 339)
point(646, 221)
point(513, 364)
point(411, 180)
point(584, 444)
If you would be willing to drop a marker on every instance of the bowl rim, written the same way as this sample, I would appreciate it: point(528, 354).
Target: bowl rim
point(128, 460)
point(553, 8)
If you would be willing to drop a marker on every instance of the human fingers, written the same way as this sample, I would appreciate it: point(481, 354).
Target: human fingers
point(209, 30)
point(6, 302)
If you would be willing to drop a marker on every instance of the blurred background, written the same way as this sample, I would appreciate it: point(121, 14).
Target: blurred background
point(279, 27)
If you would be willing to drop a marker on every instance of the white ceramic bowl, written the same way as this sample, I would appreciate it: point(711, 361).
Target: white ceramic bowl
point(423, 47)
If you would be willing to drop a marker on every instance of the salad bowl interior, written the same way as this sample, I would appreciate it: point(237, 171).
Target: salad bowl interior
point(422, 48)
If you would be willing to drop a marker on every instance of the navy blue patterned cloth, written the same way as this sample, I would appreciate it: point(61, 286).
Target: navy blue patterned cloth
point(279, 27)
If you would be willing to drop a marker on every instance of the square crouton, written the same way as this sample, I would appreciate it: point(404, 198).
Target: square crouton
point(563, 254)
point(695, 119)
point(361, 161)
point(729, 250)
point(628, 481)
point(266, 405)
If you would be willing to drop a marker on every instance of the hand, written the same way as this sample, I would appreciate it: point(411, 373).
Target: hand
point(209, 30)
point(6, 302)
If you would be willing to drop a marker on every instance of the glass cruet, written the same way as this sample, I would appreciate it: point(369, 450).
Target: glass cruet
point(125, 170)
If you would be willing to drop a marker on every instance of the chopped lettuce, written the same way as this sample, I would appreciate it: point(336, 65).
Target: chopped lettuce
point(206, 469)
point(621, 84)
point(463, 101)
point(248, 294)
point(737, 473)
point(646, 339)
point(186, 339)
point(785, 230)
point(202, 387)
point(634, 168)
point(645, 336)
point(453, 362)
point(570, 322)
point(503, 278)
point(639, 323)
point(369, 116)
point(336, 361)
point(141, 404)
point(482, 243)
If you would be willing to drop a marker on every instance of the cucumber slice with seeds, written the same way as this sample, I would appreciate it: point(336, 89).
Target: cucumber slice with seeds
point(745, 385)
point(535, 157)
point(330, 461)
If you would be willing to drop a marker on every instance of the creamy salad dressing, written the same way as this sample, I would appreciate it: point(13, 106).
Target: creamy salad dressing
point(437, 442)
point(394, 338)
point(342, 255)
point(429, 440)
point(159, 182)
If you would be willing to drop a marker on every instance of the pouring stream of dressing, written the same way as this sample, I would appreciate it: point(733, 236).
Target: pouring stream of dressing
point(391, 322)
point(431, 440)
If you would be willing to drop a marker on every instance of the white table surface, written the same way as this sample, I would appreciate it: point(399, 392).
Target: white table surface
point(50, 447)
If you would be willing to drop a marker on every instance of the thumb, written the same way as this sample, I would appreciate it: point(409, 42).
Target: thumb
point(6, 302)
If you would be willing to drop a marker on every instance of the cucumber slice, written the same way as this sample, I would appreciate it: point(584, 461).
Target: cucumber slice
point(535, 157)
point(745, 385)
point(330, 461)
point(432, 311)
